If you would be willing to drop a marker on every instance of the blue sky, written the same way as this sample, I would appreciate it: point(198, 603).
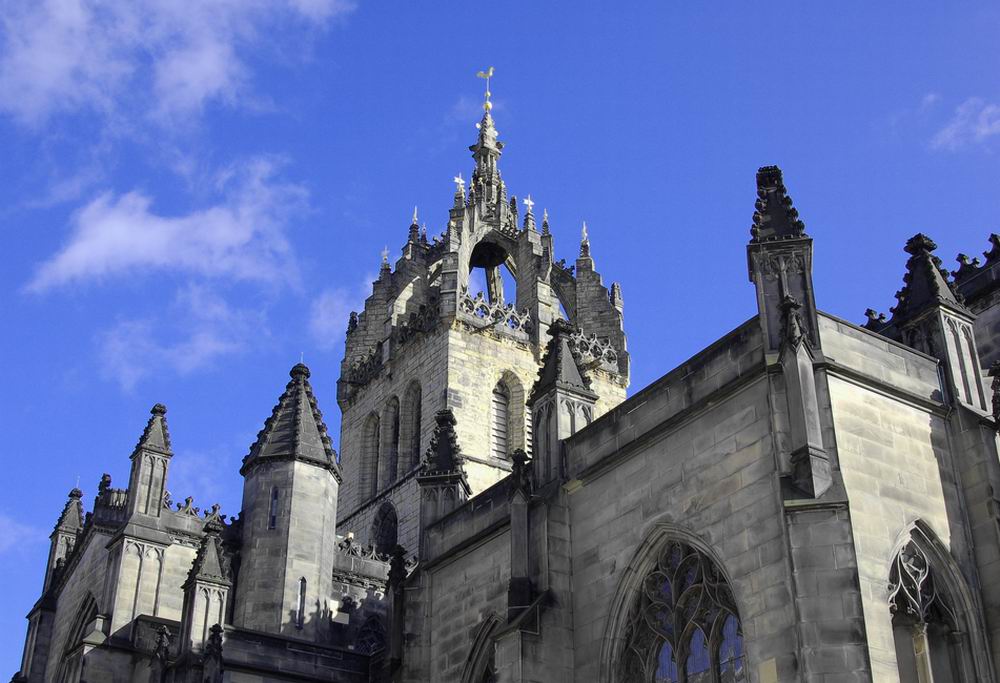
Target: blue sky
point(194, 194)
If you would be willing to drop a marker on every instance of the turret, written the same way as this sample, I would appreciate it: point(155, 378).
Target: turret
point(561, 401)
point(291, 482)
point(64, 535)
point(150, 460)
point(206, 590)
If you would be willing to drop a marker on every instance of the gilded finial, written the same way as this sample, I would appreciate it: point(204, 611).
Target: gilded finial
point(583, 232)
point(487, 75)
point(415, 222)
point(385, 255)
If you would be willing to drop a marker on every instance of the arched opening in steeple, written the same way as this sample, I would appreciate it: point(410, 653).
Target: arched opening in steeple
point(492, 270)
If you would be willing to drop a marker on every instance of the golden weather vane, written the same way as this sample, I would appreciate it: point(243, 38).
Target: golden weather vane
point(487, 75)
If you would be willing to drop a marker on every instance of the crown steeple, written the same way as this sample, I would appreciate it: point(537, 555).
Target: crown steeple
point(486, 178)
point(295, 430)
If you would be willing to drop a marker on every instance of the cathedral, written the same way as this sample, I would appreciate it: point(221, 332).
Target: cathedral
point(806, 499)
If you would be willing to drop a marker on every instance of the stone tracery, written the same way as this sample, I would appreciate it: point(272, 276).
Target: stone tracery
point(684, 625)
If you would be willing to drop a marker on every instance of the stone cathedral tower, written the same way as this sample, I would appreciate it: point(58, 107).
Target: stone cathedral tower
point(428, 341)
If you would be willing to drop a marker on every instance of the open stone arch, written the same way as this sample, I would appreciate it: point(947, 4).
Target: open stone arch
point(674, 616)
point(937, 621)
point(480, 665)
point(493, 254)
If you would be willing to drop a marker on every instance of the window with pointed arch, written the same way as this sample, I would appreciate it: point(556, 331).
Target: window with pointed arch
point(683, 626)
point(500, 421)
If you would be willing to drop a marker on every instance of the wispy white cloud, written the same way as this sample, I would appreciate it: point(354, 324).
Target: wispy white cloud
point(160, 58)
point(973, 122)
point(14, 534)
point(242, 237)
point(198, 328)
point(330, 311)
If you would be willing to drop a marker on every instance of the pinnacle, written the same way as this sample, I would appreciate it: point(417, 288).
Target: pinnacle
point(774, 216)
point(559, 365)
point(926, 282)
point(155, 436)
point(295, 429)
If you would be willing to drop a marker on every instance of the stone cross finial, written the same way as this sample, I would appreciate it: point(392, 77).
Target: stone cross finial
point(459, 183)
point(528, 203)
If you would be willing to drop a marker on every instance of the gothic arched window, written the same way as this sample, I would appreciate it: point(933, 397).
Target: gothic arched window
point(390, 447)
point(500, 421)
point(410, 437)
point(385, 529)
point(369, 457)
point(683, 626)
point(922, 621)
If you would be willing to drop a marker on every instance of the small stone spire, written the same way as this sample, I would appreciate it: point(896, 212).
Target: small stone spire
point(584, 242)
point(925, 281)
point(529, 216)
point(295, 430)
point(459, 191)
point(559, 365)
point(71, 518)
point(774, 217)
point(384, 269)
point(414, 227)
point(545, 222)
point(487, 150)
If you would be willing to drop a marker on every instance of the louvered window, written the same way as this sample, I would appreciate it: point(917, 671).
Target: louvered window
point(500, 423)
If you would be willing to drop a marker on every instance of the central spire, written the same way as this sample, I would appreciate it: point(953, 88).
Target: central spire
point(486, 151)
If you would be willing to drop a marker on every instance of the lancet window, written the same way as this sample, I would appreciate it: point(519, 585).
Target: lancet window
point(500, 421)
point(684, 626)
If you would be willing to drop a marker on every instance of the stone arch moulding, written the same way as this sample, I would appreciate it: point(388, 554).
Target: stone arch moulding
point(481, 652)
point(953, 587)
point(643, 563)
point(385, 529)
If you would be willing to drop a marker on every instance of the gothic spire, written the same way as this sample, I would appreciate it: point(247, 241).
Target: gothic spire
point(487, 149)
point(71, 518)
point(414, 227)
point(295, 430)
point(210, 563)
point(444, 455)
point(925, 281)
point(775, 218)
point(584, 242)
point(559, 366)
point(156, 436)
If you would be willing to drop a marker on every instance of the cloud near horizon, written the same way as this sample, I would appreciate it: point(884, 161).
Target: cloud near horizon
point(162, 59)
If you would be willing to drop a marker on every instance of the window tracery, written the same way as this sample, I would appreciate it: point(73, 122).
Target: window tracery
point(684, 626)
